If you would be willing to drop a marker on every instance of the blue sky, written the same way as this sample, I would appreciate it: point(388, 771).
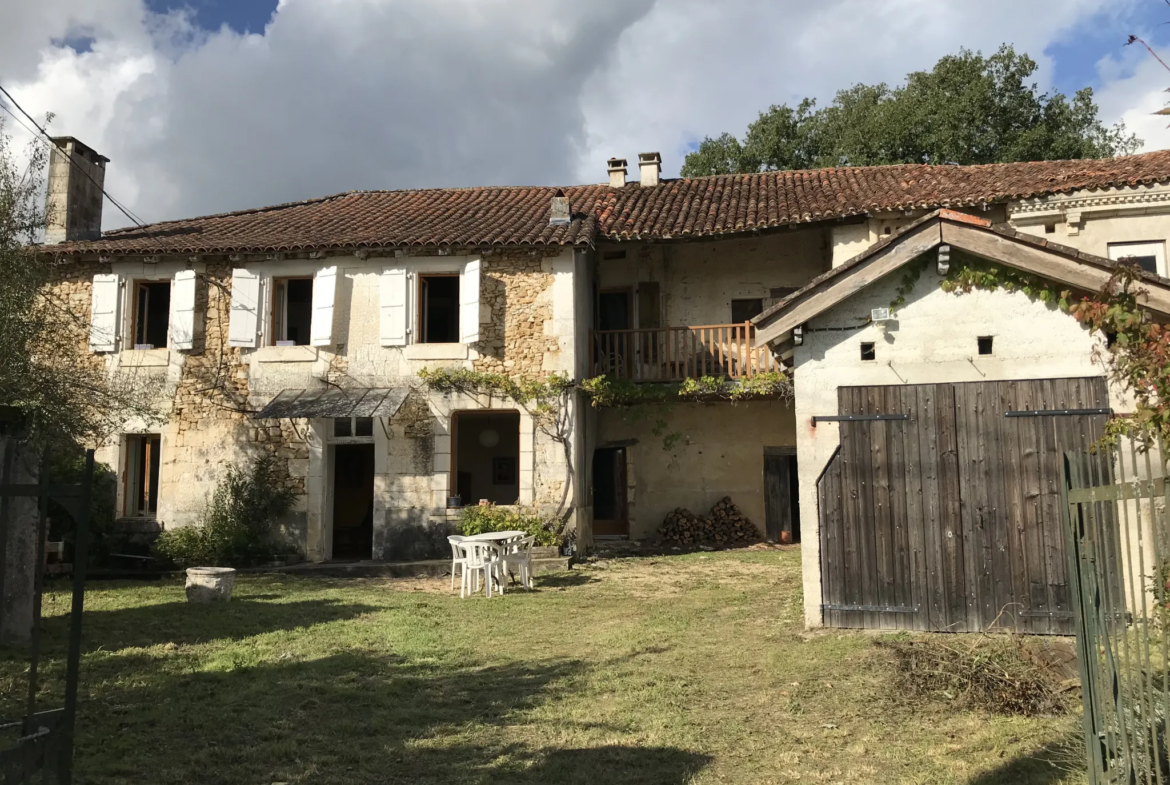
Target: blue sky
point(1076, 54)
point(243, 16)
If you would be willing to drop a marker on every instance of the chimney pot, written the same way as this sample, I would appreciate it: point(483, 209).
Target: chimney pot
point(617, 172)
point(649, 166)
point(73, 200)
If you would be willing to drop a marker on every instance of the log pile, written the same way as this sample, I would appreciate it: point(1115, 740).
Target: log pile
point(724, 527)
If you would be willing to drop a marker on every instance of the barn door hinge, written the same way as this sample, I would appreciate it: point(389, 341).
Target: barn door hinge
point(857, 417)
point(1057, 412)
point(871, 608)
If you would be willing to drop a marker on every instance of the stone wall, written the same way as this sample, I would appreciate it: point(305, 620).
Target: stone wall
point(518, 288)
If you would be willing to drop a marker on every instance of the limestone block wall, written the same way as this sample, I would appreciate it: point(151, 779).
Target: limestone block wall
point(206, 398)
point(933, 339)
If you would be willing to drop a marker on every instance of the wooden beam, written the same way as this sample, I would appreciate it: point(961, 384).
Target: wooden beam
point(1021, 255)
point(843, 286)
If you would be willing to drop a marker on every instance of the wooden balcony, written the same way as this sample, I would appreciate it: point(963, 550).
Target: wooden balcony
point(673, 354)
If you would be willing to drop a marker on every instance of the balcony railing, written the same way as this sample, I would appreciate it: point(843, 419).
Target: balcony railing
point(672, 354)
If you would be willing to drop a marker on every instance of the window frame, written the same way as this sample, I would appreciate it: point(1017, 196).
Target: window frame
point(277, 284)
point(135, 284)
point(1122, 250)
point(130, 462)
point(331, 436)
point(420, 310)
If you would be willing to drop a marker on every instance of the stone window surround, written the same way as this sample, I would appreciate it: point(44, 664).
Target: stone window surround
point(129, 273)
point(445, 406)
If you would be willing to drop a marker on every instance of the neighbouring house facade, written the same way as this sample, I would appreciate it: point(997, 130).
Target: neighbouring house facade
point(299, 331)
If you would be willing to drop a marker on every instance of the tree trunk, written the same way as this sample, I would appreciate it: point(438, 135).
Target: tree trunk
point(18, 528)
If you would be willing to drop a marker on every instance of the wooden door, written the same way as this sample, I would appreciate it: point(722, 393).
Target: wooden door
point(610, 509)
point(779, 511)
point(948, 517)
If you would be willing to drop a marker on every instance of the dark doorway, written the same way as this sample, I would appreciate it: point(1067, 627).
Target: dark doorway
point(781, 505)
point(439, 314)
point(610, 512)
point(487, 456)
point(353, 501)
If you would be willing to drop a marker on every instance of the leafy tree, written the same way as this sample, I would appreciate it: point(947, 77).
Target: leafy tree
point(969, 109)
point(51, 389)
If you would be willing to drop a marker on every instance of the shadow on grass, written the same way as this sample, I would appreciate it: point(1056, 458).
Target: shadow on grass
point(563, 580)
point(350, 718)
point(1050, 764)
point(185, 623)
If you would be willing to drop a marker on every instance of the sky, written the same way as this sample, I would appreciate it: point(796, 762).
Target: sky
point(208, 106)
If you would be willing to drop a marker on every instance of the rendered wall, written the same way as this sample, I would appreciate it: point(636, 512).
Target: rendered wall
point(720, 453)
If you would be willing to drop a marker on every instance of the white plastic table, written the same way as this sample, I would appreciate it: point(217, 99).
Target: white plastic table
point(497, 540)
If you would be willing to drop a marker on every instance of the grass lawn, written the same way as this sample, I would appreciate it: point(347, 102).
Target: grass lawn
point(684, 669)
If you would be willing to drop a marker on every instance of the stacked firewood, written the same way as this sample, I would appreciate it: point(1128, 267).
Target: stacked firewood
point(724, 527)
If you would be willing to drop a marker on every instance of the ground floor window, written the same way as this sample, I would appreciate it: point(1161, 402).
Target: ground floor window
point(140, 478)
point(487, 456)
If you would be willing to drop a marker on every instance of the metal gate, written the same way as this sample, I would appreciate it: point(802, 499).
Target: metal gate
point(942, 508)
point(1118, 567)
point(37, 746)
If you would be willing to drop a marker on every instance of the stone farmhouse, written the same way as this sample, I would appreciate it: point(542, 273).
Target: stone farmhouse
point(300, 331)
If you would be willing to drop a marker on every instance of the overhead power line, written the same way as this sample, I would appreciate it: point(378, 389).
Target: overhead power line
point(137, 222)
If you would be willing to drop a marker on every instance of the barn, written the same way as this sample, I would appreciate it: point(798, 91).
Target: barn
point(931, 427)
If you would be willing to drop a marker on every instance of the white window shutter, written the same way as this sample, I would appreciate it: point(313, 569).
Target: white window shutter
point(393, 329)
point(245, 317)
point(324, 288)
point(469, 302)
point(103, 322)
point(183, 311)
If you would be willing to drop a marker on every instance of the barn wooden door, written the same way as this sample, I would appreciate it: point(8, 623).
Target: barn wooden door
point(941, 508)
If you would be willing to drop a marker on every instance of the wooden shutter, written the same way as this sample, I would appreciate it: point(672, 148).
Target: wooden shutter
point(104, 313)
point(324, 289)
point(393, 328)
point(243, 330)
point(183, 311)
point(469, 302)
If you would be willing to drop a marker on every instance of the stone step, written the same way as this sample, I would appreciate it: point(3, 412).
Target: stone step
point(436, 568)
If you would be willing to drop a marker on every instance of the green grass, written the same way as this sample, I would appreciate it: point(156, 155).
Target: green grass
point(683, 669)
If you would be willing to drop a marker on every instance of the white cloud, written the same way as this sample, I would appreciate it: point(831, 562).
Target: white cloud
point(1134, 87)
point(353, 94)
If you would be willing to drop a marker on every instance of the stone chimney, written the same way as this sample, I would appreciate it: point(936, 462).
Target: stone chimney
point(617, 172)
point(73, 203)
point(650, 166)
point(561, 214)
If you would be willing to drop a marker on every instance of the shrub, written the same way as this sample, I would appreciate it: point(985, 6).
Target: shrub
point(490, 518)
point(236, 528)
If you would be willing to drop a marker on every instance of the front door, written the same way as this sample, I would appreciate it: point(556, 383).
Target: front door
point(781, 513)
point(610, 516)
point(353, 501)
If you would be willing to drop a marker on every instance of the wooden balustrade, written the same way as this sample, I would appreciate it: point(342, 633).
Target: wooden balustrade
point(672, 354)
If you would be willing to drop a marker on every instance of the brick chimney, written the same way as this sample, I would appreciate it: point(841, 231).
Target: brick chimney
point(650, 166)
point(73, 202)
point(617, 172)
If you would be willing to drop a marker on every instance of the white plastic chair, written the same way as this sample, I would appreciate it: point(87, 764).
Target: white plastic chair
point(519, 554)
point(479, 558)
point(457, 558)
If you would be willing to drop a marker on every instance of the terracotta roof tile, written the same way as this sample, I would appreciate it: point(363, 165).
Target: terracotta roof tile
point(698, 207)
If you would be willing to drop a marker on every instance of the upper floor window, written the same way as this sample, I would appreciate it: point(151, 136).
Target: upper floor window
point(152, 314)
point(438, 308)
point(746, 310)
point(1150, 256)
point(292, 311)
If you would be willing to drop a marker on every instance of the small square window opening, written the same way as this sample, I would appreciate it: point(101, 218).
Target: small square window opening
point(438, 299)
point(152, 314)
point(292, 311)
point(868, 352)
point(1049, 228)
point(985, 344)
